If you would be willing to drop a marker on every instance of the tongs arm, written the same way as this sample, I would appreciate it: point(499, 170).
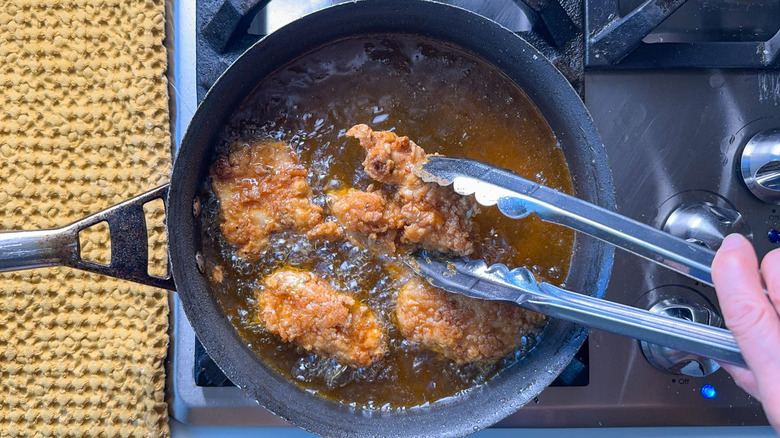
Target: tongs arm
point(517, 197)
point(675, 333)
point(476, 280)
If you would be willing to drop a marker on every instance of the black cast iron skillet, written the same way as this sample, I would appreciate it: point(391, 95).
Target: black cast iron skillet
point(459, 415)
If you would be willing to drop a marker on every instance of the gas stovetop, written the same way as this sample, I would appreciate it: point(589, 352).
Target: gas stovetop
point(680, 103)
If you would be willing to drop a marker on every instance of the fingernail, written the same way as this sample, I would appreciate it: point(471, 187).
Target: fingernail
point(732, 241)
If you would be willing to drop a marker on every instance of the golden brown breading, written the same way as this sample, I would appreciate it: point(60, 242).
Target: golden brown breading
point(463, 329)
point(389, 158)
point(218, 274)
point(303, 308)
point(325, 231)
point(262, 189)
point(432, 216)
point(369, 217)
point(436, 217)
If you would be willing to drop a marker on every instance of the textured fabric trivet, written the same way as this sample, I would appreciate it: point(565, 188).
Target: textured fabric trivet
point(83, 126)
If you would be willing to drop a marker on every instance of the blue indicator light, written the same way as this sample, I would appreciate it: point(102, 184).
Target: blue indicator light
point(773, 236)
point(708, 391)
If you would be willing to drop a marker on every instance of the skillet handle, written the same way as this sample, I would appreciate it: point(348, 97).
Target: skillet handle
point(60, 246)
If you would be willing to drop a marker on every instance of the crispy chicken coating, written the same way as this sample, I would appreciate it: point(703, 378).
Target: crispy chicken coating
point(303, 308)
point(463, 329)
point(415, 212)
point(369, 217)
point(389, 158)
point(262, 189)
point(436, 217)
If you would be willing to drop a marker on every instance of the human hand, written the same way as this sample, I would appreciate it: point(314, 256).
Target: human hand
point(753, 317)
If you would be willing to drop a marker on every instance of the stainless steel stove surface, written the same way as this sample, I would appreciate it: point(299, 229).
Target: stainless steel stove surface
point(675, 127)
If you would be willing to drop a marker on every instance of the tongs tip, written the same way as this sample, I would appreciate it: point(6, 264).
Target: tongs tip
point(436, 169)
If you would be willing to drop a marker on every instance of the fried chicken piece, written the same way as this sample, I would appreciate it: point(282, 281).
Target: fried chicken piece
point(262, 189)
point(369, 217)
point(463, 329)
point(435, 217)
point(389, 158)
point(325, 231)
point(303, 308)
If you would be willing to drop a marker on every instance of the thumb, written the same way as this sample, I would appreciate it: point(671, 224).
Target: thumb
point(750, 316)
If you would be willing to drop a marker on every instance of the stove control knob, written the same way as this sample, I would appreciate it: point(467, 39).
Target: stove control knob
point(675, 361)
point(761, 165)
point(705, 223)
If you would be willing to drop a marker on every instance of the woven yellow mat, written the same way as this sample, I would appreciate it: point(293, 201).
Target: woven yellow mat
point(83, 125)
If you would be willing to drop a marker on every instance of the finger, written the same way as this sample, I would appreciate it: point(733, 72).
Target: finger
point(751, 317)
point(770, 269)
point(738, 285)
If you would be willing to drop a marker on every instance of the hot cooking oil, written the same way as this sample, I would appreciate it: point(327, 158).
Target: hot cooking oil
point(447, 101)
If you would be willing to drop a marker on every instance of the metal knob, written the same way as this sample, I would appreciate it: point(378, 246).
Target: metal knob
point(705, 223)
point(761, 165)
point(675, 361)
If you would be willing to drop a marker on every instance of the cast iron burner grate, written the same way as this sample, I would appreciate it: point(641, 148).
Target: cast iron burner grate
point(623, 35)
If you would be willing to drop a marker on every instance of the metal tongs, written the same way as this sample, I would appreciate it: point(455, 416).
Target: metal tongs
point(517, 197)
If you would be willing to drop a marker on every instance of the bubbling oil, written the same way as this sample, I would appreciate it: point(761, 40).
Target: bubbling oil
point(448, 102)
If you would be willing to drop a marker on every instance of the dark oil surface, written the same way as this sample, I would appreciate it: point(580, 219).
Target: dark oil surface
point(447, 102)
